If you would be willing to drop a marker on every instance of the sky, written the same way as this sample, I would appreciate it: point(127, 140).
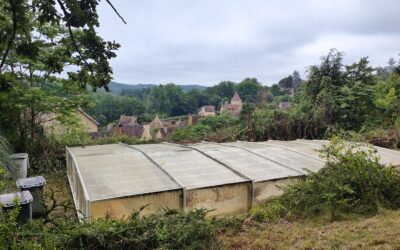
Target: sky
point(209, 41)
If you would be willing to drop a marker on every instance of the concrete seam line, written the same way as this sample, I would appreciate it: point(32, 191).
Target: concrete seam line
point(293, 150)
point(260, 155)
point(162, 169)
point(223, 164)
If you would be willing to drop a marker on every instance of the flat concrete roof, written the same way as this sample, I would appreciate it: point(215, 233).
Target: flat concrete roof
point(116, 170)
point(289, 158)
point(111, 171)
point(252, 165)
point(189, 167)
point(387, 156)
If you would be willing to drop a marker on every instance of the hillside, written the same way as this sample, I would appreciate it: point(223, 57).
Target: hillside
point(116, 87)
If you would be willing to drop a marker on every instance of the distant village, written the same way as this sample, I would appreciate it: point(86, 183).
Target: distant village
point(157, 129)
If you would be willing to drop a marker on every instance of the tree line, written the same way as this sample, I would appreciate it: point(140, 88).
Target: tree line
point(170, 100)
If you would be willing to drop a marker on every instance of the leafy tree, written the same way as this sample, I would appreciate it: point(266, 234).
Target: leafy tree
point(224, 89)
point(275, 90)
point(108, 107)
point(248, 89)
point(39, 40)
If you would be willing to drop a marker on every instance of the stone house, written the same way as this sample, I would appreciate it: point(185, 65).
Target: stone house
point(208, 110)
point(53, 126)
point(234, 107)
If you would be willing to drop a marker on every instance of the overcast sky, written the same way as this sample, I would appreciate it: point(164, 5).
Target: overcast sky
point(205, 42)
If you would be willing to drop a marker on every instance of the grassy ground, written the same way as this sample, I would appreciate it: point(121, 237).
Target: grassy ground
point(378, 232)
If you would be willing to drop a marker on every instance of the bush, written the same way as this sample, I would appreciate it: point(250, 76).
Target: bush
point(218, 122)
point(168, 229)
point(352, 182)
point(194, 133)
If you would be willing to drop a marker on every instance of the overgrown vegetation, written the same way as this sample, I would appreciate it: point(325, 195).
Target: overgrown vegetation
point(167, 229)
point(355, 99)
point(216, 128)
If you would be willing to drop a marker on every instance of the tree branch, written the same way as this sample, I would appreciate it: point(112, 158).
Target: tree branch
point(64, 10)
point(13, 34)
point(115, 10)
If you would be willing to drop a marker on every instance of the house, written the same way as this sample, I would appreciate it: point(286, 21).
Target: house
point(127, 120)
point(156, 129)
point(156, 123)
point(284, 105)
point(236, 100)
point(235, 107)
point(208, 110)
point(52, 125)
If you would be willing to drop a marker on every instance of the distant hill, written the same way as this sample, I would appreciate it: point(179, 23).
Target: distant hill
point(116, 88)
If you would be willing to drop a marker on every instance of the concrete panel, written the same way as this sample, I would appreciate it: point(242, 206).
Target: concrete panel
point(387, 156)
point(122, 207)
point(246, 162)
point(223, 200)
point(111, 171)
point(267, 189)
point(188, 166)
point(288, 158)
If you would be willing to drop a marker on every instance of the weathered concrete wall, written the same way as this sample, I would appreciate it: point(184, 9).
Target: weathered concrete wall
point(122, 207)
point(266, 189)
point(229, 199)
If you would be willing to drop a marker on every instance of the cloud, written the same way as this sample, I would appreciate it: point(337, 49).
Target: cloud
point(209, 41)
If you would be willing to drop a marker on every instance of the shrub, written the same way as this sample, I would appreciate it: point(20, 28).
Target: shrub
point(218, 122)
point(352, 182)
point(168, 229)
point(194, 133)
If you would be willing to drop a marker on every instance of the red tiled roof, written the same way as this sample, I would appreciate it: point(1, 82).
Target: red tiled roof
point(133, 130)
point(231, 106)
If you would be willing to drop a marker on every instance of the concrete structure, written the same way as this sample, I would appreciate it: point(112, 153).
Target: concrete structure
point(116, 180)
point(265, 174)
point(207, 183)
point(226, 178)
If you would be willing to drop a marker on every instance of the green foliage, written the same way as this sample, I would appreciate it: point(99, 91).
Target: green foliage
point(39, 39)
point(168, 229)
point(248, 89)
point(82, 139)
point(190, 133)
point(352, 181)
point(218, 122)
point(213, 128)
point(6, 163)
point(272, 210)
point(107, 108)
